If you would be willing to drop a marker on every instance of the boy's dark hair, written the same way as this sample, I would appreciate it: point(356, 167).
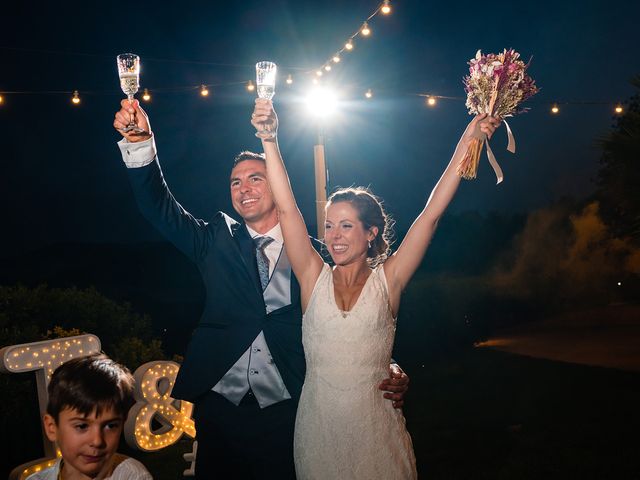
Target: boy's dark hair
point(90, 383)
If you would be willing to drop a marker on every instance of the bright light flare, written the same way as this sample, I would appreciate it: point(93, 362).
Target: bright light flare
point(321, 102)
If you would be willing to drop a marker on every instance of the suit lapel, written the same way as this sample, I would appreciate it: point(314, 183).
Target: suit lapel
point(247, 253)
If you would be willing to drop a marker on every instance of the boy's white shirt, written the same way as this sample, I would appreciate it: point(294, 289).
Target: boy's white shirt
point(127, 468)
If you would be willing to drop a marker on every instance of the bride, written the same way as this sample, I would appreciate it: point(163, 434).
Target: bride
point(344, 429)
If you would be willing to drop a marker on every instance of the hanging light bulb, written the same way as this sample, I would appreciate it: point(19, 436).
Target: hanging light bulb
point(289, 80)
point(315, 81)
point(386, 7)
point(146, 96)
point(336, 59)
point(250, 86)
point(204, 91)
point(1, 99)
point(76, 97)
point(365, 30)
point(349, 44)
point(319, 73)
point(431, 101)
point(368, 93)
point(327, 68)
point(619, 109)
point(555, 109)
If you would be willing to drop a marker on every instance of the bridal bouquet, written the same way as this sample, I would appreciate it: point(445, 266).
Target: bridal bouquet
point(496, 85)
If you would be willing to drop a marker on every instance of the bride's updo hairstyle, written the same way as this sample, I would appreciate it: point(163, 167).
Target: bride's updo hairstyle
point(371, 214)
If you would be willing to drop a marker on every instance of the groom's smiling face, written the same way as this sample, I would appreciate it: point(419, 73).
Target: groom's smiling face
point(250, 194)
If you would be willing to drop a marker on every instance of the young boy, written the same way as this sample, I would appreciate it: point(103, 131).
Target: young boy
point(89, 398)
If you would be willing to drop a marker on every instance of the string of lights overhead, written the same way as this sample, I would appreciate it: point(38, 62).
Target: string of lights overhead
point(205, 89)
point(554, 107)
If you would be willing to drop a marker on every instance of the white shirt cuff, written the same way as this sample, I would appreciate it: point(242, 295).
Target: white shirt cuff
point(138, 154)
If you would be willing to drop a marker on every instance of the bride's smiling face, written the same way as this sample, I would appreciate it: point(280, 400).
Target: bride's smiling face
point(345, 235)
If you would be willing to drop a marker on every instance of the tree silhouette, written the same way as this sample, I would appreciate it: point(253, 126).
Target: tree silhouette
point(619, 174)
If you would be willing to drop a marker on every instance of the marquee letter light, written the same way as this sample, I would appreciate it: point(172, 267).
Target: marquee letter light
point(157, 420)
point(43, 358)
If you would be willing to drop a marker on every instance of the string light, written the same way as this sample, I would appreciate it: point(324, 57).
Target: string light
point(555, 109)
point(327, 68)
point(368, 93)
point(76, 97)
point(1, 99)
point(146, 96)
point(349, 44)
point(336, 59)
point(619, 109)
point(365, 30)
point(431, 100)
point(289, 80)
point(204, 91)
point(386, 7)
point(250, 86)
point(315, 81)
point(319, 73)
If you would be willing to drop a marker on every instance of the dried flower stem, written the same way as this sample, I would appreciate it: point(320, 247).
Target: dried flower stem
point(468, 166)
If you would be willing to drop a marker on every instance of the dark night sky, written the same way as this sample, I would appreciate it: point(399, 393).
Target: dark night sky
point(62, 178)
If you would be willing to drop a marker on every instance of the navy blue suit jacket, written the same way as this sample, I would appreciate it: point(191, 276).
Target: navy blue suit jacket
point(234, 311)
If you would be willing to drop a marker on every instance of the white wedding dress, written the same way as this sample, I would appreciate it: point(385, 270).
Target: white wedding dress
point(345, 428)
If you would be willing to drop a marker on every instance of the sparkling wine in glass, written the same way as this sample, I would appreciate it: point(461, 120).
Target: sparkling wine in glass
point(266, 82)
point(129, 73)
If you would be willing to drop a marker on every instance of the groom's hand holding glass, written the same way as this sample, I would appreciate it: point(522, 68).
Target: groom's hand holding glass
point(132, 112)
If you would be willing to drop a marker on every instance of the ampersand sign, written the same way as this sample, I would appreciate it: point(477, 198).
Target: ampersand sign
point(154, 406)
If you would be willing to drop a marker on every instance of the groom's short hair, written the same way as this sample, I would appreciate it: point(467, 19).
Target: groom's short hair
point(247, 155)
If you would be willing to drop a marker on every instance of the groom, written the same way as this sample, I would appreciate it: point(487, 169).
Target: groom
point(244, 366)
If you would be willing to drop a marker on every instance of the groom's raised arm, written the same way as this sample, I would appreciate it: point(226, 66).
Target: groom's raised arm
point(154, 199)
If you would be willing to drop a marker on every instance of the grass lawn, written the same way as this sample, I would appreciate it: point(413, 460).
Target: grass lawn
point(484, 414)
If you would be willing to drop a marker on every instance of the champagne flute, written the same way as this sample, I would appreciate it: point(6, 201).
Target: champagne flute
point(129, 73)
point(266, 82)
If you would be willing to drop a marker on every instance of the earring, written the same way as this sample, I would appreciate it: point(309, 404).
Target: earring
point(369, 243)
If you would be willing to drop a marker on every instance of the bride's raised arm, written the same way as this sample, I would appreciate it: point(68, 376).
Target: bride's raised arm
point(305, 261)
point(401, 266)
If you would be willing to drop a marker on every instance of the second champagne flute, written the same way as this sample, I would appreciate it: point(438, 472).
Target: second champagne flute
point(266, 82)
